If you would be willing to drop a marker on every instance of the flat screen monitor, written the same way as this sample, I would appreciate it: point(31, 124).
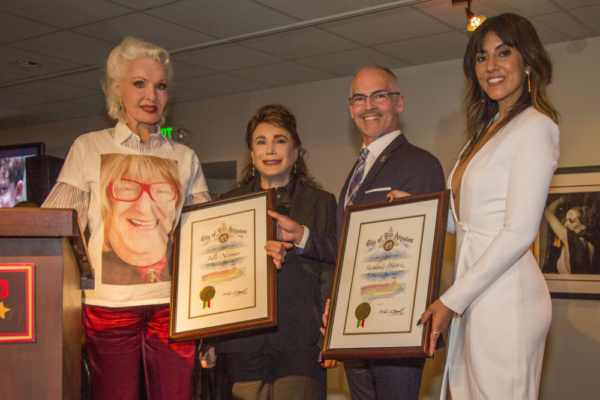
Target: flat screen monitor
point(13, 179)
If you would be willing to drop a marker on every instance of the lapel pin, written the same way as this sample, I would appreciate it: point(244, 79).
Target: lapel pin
point(382, 159)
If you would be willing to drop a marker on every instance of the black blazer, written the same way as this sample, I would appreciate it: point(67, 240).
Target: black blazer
point(401, 166)
point(303, 284)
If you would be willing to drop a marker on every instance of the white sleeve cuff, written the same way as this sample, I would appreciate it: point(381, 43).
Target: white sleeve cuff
point(302, 243)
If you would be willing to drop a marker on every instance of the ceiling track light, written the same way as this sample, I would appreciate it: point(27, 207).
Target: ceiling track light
point(474, 20)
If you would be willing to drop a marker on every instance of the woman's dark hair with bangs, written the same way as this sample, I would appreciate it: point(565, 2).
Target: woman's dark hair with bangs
point(518, 33)
point(277, 115)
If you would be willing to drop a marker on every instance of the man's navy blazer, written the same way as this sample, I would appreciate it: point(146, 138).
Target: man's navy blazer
point(401, 166)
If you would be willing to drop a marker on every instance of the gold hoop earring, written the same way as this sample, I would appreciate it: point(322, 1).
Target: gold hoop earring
point(528, 82)
point(119, 100)
point(252, 169)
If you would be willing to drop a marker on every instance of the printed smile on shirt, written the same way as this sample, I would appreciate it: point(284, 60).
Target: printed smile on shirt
point(140, 229)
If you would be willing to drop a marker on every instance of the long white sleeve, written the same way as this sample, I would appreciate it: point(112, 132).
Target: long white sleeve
point(530, 168)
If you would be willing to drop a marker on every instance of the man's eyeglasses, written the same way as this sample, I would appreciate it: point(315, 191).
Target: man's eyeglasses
point(378, 97)
point(130, 190)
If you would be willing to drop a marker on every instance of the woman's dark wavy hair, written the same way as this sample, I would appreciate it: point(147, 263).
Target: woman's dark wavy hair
point(277, 115)
point(518, 33)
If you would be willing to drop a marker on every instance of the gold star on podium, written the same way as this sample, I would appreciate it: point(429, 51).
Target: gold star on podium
point(3, 310)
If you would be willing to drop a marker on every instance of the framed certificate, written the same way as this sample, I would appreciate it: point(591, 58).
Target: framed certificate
point(388, 273)
point(223, 280)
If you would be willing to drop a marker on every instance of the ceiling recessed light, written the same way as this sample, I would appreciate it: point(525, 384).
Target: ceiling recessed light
point(28, 64)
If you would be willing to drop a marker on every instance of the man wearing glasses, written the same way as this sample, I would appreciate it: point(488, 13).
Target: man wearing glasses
point(387, 162)
point(391, 163)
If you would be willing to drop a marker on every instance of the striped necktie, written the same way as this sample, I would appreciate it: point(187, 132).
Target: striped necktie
point(357, 176)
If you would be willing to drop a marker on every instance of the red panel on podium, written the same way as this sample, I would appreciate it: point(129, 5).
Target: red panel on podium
point(45, 361)
point(17, 310)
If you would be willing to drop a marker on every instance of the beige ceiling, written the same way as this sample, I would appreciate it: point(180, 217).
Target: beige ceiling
point(221, 47)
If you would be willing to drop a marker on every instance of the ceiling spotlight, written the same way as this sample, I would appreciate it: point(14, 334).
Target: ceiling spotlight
point(474, 19)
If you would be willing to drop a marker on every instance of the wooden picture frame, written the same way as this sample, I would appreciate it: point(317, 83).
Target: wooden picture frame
point(387, 274)
point(223, 281)
point(576, 189)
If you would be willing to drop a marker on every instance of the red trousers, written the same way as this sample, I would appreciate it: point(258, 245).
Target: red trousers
point(117, 339)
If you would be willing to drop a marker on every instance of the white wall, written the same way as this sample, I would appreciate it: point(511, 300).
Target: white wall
point(572, 357)
point(433, 118)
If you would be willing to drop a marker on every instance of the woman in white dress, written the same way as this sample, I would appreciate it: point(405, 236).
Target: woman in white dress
point(499, 303)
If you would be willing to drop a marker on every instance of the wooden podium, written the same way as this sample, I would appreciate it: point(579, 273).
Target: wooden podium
point(49, 367)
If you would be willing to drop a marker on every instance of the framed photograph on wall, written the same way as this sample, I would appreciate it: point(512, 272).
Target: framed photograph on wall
point(388, 273)
point(568, 244)
point(223, 282)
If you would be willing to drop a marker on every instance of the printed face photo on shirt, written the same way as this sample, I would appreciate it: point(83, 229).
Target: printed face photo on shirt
point(140, 196)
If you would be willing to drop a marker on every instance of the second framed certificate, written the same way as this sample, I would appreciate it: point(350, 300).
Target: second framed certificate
point(223, 281)
point(388, 272)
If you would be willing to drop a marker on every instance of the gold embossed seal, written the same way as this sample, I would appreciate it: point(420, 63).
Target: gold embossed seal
point(207, 293)
point(362, 311)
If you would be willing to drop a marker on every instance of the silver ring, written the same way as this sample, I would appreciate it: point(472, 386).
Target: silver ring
point(435, 332)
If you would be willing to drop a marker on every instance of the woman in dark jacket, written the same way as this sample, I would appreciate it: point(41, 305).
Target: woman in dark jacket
point(283, 363)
